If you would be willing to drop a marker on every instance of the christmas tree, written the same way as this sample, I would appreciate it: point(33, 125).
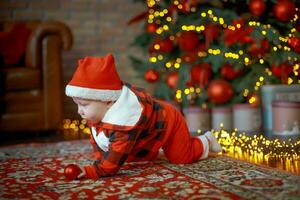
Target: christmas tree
point(217, 53)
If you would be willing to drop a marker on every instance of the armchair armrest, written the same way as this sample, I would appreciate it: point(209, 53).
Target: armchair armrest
point(33, 57)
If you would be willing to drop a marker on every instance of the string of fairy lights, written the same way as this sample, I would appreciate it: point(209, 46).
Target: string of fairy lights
point(258, 145)
point(155, 16)
point(232, 142)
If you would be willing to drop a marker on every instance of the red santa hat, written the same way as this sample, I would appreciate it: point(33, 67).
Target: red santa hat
point(95, 78)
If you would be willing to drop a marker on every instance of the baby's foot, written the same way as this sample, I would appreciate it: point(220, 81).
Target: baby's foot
point(214, 146)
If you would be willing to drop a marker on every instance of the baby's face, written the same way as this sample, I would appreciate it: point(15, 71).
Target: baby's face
point(91, 110)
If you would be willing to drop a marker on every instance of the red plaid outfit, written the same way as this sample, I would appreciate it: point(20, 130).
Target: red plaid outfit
point(159, 125)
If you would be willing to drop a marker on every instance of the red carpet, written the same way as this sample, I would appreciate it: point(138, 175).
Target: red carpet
point(35, 171)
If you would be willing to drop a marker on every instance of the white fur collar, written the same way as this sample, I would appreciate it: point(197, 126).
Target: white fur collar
point(126, 111)
point(101, 140)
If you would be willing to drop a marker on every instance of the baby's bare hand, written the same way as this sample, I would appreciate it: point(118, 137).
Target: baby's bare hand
point(82, 174)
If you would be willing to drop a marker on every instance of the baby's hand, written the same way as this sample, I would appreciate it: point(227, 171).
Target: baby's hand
point(82, 174)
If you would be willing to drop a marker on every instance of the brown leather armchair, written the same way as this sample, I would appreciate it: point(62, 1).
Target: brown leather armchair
point(33, 92)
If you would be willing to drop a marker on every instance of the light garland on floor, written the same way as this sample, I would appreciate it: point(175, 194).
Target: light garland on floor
point(231, 142)
point(258, 145)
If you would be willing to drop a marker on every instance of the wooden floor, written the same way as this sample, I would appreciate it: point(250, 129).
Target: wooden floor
point(292, 166)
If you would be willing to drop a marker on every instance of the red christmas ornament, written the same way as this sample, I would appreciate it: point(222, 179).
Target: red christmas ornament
point(284, 10)
point(276, 71)
point(172, 79)
point(257, 7)
point(286, 71)
point(294, 42)
point(72, 171)
point(151, 28)
point(188, 40)
point(151, 75)
point(219, 91)
point(286, 68)
point(201, 74)
point(228, 72)
point(166, 45)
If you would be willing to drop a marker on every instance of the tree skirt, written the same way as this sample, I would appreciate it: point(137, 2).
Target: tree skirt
point(35, 171)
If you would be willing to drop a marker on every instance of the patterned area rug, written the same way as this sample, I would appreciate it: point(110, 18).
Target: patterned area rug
point(35, 171)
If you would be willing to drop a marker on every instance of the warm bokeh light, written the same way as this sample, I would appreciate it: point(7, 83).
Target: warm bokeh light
point(282, 154)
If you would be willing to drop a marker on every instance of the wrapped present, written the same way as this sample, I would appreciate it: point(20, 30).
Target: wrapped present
point(222, 118)
point(270, 93)
point(247, 118)
point(286, 118)
point(197, 119)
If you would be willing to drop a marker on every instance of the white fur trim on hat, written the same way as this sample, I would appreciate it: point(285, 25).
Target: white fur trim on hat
point(93, 94)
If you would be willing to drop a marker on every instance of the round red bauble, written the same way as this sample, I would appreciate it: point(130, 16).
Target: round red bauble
point(72, 171)
point(188, 40)
point(151, 75)
point(276, 71)
point(151, 28)
point(228, 72)
point(219, 91)
point(284, 10)
point(257, 7)
point(294, 42)
point(286, 71)
point(166, 45)
point(201, 74)
point(172, 79)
